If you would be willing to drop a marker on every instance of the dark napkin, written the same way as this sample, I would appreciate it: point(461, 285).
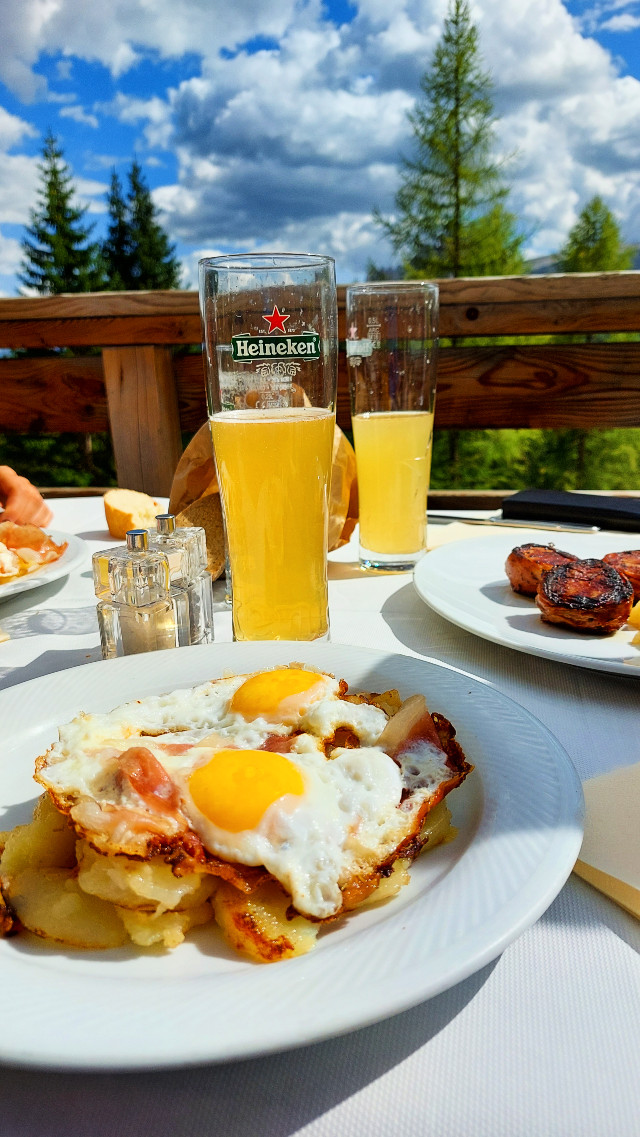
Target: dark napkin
point(582, 508)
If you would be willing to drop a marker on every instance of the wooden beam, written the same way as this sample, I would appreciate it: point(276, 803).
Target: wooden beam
point(190, 384)
point(553, 287)
point(52, 394)
point(143, 411)
point(105, 330)
point(544, 318)
point(551, 385)
point(481, 306)
point(95, 305)
point(571, 385)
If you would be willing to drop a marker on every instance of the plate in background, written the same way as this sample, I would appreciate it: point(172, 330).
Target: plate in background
point(76, 554)
point(466, 583)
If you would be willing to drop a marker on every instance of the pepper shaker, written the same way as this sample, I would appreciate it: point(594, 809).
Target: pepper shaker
point(138, 610)
point(186, 550)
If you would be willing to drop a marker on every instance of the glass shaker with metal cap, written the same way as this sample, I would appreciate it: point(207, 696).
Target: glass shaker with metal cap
point(137, 609)
point(186, 550)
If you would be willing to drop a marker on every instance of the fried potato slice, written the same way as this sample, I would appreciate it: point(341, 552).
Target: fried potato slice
point(387, 701)
point(436, 830)
point(8, 924)
point(390, 885)
point(437, 827)
point(257, 925)
point(143, 886)
point(166, 929)
point(50, 903)
point(46, 842)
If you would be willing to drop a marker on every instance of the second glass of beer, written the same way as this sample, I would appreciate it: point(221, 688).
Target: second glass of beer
point(392, 338)
point(270, 333)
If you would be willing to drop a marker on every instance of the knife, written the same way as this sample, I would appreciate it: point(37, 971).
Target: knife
point(511, 523)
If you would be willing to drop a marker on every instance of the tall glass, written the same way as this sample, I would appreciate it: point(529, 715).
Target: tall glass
point(392, 340)
point(270, 335)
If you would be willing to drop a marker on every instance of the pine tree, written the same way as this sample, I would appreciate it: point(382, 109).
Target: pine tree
point(115, 251)
point(451, 220)
point(136, 252)
point(594, 244)
point(58, 256)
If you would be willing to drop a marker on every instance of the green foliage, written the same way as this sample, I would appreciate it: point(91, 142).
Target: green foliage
point(450, 215)
point(136, 252)
point(546, 459)
point(594, 244)
point(58, 256)
point(60, 459)
point(115, 250)
point(383, 272)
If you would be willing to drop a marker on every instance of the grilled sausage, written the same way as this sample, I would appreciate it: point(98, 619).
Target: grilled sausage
point(527, 564)
point(589, 595)
point(628, 564)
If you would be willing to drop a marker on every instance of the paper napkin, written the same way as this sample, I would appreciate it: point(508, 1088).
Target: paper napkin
point(438, 534)
point(610, 853)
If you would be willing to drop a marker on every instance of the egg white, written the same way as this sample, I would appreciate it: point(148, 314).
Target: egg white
point(313, 842)
point(351, 817)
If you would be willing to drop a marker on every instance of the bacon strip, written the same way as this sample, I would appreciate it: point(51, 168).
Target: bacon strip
point(141, 769)
point(279, 744)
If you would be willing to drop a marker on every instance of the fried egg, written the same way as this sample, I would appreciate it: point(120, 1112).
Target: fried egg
point(237, 771)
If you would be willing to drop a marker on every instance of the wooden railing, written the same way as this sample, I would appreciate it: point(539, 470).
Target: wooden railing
point(146, 386)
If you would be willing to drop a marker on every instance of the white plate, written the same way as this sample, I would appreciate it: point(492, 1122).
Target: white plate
point(519, 817)
point(466, 583)
point(75, 554)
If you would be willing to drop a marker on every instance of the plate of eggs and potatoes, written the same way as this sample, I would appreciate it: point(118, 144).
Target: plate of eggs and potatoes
point(243, 848)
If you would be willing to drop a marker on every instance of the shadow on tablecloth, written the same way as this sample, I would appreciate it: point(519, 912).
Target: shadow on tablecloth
point(46, 664)
point(273, 1096)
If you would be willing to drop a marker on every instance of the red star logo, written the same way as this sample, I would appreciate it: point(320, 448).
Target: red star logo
point(276, 320)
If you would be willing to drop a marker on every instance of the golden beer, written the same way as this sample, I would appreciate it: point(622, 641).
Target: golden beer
point(393, 452)
point(274, 469)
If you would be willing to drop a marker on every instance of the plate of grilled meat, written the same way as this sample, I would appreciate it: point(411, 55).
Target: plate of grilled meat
point(579, 604)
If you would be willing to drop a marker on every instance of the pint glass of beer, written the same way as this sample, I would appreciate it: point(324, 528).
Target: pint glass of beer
point(392, 338)
point(270, 334)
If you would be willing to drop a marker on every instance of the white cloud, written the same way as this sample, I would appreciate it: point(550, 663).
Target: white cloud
point(91, 194)
point(154, 112)
point(79, 115)
point(624, 23)
point(114, 34)
point(298, 144)
point(10, 255)
point(18, 179)
point(18, 184)
point(292, 146)
point(13, 130)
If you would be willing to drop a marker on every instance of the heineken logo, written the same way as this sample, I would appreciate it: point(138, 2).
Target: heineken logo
point(306, 345)
point(276, 320)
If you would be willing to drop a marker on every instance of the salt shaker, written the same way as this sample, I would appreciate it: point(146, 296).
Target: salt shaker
point(138, 609)
point(186, 550)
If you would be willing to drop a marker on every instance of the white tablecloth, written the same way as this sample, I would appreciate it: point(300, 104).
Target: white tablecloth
point(543, 1041)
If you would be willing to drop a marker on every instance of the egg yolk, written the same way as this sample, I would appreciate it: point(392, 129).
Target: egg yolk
point(236, 787)
point(263, 694)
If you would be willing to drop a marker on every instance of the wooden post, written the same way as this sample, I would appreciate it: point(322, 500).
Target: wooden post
point(143, 412)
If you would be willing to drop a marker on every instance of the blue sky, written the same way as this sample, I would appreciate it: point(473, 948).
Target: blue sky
point(280, 127)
